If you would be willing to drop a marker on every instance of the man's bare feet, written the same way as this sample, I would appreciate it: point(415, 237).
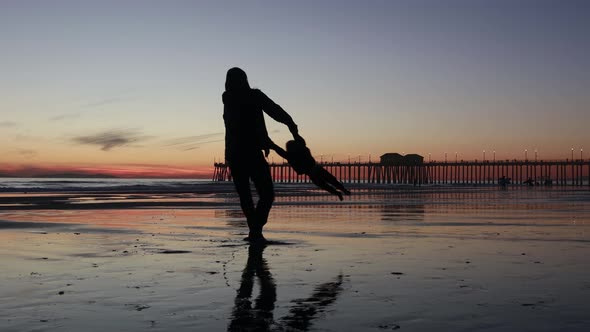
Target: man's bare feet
point(255, 237)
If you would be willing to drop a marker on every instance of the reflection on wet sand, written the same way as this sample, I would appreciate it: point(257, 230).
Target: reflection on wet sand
point(260, 315)
point(404, 213)
point(305, 310)
point(245, 317)
point(430, 259)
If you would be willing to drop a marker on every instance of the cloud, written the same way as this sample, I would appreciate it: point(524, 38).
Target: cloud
point(27, 153)
point(193, 139)
point(93, 104)
point(109, 101)
point(64, 116)
point(194, 142)
point(193, 147)
point(111, 139)
point(6, 124)
point(25, 138)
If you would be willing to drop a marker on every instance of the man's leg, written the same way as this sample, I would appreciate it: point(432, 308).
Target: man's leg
point(242, 183)
point(264, 186)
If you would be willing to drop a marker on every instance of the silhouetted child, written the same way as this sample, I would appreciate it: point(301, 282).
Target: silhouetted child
point(300, 158)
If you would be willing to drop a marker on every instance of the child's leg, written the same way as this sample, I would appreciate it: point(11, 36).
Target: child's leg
point(320, 182)
point(331, 179)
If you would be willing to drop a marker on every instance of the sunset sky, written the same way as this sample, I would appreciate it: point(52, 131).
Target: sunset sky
point(133, 88)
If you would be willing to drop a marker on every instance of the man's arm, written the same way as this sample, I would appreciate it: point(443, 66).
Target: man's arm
point(277, 113)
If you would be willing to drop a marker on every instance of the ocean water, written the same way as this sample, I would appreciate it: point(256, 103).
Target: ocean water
point(71, 184)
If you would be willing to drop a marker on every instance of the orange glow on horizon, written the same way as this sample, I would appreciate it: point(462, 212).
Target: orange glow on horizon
point(118, 171)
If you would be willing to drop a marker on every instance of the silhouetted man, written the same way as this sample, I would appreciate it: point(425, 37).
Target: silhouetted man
point(245, 139)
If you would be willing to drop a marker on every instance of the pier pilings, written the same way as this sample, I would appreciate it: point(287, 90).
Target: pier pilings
point(560, 172)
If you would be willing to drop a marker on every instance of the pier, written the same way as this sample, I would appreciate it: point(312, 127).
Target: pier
point(518, 172)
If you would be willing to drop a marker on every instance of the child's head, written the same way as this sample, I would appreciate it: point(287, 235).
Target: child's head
point(295, 144)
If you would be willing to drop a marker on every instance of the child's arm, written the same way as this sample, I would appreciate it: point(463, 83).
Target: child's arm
point(278, 150)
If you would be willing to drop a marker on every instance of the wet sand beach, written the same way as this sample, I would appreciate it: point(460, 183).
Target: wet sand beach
point(403, 258)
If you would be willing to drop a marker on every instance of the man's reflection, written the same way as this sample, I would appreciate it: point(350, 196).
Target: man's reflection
point(260, 317)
